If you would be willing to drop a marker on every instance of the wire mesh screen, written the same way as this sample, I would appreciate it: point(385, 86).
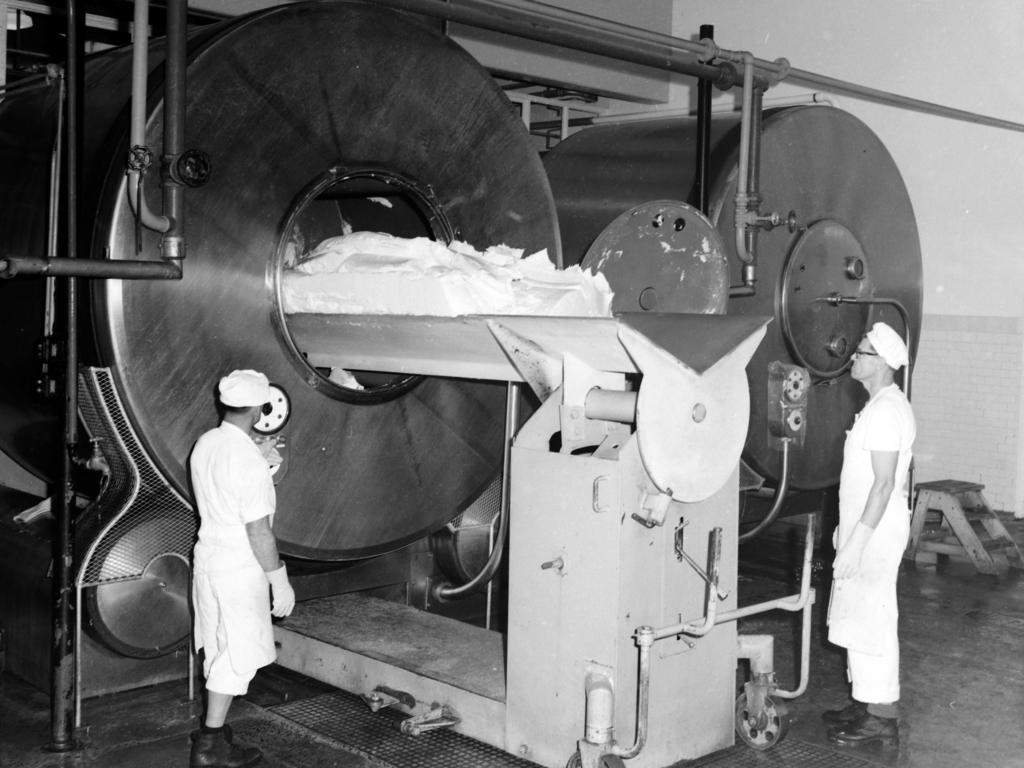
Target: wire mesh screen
point(140, 516)
point(482, 511)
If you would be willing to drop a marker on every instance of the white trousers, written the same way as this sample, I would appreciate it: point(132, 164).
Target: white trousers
point(875, 678)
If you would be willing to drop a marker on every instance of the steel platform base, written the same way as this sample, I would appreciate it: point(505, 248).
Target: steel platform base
point(345, 719)
point(359, 644)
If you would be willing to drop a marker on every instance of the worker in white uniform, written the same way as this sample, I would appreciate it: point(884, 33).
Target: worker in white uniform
point(874, 523)
point(234, 562)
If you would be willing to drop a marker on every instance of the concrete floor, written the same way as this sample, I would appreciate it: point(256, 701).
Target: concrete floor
point(962, 667)
point(962, 639)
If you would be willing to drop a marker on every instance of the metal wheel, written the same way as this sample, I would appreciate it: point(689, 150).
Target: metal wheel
point(761, 732)
point(607, 761)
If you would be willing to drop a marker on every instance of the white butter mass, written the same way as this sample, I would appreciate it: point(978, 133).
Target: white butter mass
point(378, 273)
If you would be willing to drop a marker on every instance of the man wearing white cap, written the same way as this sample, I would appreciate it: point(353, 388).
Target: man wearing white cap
point(874, 523)
point(234, 561)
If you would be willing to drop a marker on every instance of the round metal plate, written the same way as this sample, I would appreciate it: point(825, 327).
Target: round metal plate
point(826, 260)
point(662, 256)
point(148, 616)
point(276, 414)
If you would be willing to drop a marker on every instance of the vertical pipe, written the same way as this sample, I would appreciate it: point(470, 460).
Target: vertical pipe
point(754, 170)
point(53, 222)
point(63, 682)
point(173, 245)
point(137, 132)
point(645, 637)
point(3, 46)
point(707, 32)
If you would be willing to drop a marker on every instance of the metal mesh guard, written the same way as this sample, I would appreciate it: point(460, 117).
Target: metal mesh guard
point(146, 516)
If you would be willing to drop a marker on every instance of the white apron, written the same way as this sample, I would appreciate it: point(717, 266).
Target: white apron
point(233, 617)
point(230, 591)
point(863, 614)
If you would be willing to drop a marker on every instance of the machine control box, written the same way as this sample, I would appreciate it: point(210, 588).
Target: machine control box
point(788, 389)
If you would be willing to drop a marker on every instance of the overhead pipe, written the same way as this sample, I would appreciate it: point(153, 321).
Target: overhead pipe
point(877, 96)
point(771, 73)
point(716, 109)
point(171, 223)
point(526, 19)
point(577, 31)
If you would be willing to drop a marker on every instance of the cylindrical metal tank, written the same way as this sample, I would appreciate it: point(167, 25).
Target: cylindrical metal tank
point(855, 236)
point(315, 117)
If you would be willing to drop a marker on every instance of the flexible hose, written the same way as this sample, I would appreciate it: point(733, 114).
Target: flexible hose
point(780, 495)
point(449, 592)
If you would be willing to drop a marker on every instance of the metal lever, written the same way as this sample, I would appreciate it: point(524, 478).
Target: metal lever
point(439, 716)
point(716, 548)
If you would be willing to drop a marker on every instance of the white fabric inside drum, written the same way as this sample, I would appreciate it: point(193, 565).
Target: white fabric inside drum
point(378, 273)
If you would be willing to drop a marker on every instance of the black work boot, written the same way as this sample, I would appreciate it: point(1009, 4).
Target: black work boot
point(229, 737)
point(213, 750)
point(847, 714)
point(866, 729)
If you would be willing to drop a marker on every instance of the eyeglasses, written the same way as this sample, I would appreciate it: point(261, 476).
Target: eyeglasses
point(864, 353)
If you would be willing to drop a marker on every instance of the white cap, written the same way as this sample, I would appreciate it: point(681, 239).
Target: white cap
point(888, 344)
point(244, 389)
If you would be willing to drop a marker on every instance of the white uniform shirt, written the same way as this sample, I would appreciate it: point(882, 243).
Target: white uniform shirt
point(863, 612)
point(233, 486)
point(886, 423)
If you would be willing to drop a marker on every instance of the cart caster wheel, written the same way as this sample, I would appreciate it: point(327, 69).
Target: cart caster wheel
point(765, 734)
point(607, 761)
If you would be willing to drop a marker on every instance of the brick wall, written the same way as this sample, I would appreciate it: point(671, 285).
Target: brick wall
point(968, 396)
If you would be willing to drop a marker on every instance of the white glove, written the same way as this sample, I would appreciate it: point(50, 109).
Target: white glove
point(268, 447)
point(847, 562)
point(282, 593)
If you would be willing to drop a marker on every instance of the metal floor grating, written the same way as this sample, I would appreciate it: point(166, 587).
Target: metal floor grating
point(344, 718)
point(788, 753)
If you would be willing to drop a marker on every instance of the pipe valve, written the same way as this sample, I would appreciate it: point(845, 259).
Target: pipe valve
point(192, 168)
point(774, 219)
